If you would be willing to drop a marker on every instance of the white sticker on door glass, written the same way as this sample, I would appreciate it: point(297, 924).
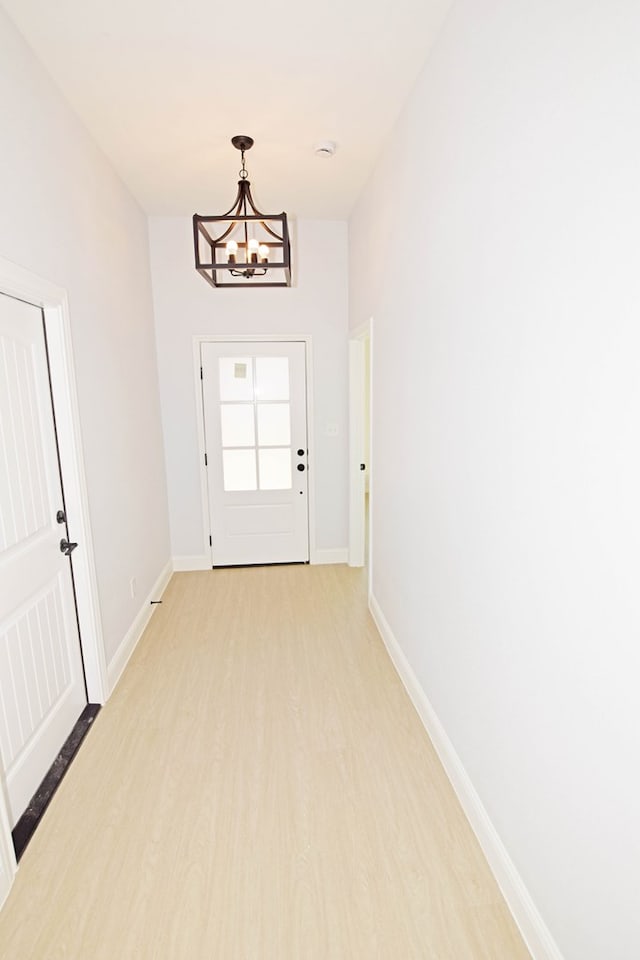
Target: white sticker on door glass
point(272, 378)
point(237, 423)
point(274, 425)
point(275, 469)
point(232, 385)
point(239, 470)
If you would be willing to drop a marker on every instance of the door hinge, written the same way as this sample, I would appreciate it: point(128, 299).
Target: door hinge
point(210, 542)
point(201, 377)
point(206, 462)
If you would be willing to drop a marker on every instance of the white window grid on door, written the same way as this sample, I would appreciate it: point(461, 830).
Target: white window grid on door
point(255, 423)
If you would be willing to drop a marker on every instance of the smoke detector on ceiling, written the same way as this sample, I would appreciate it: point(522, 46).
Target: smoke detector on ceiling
point(326, 148)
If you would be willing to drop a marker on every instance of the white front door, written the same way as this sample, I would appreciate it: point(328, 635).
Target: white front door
point(255, 419)
point(42, 690)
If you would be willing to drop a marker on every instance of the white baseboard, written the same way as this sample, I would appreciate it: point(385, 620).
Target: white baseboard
point(534, 931)
point(195, 562)
point(336, 555)
point(135, 631)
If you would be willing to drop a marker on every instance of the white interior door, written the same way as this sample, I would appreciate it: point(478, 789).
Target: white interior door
point(42, 690)
point(255, 418)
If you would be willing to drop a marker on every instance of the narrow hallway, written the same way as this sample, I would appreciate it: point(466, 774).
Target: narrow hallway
point(259, 787)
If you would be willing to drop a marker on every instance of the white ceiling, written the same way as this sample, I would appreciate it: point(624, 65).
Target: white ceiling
point(164, 84)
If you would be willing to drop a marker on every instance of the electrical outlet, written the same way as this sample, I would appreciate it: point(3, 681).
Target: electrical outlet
point(133, 587)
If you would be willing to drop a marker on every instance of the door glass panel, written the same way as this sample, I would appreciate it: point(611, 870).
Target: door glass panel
point(275, 469)
point(236, 378)
point(272, 378)
point(238, 429)
point(239, 468)
point(274, 425)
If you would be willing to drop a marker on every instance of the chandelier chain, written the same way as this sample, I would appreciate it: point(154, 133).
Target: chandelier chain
point(243, 173)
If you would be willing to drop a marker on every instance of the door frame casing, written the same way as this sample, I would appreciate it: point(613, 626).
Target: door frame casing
point(8, 862)
point(199, 339)
point(357, 361)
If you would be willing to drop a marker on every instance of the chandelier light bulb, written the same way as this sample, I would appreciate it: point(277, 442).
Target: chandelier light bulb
point(232, 251)
point(252, 251)
point(264, 253)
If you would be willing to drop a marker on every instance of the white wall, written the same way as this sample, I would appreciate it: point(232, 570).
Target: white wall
point(506, 433)
point(66, 217)
point(185, 306)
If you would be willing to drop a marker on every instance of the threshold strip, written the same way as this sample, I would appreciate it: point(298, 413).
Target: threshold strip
point(26, 825)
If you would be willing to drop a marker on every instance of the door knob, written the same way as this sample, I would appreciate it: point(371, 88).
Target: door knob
point(67, 548)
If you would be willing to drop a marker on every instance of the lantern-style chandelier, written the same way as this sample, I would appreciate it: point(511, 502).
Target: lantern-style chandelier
point(243, 247)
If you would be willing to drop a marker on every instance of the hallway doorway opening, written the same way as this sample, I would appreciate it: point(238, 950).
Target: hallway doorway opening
point(360, 446)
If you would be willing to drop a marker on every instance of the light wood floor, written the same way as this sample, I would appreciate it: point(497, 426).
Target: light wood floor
point(258, 787)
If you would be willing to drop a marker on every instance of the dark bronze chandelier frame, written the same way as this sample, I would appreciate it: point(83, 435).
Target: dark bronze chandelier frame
point(212, 259)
